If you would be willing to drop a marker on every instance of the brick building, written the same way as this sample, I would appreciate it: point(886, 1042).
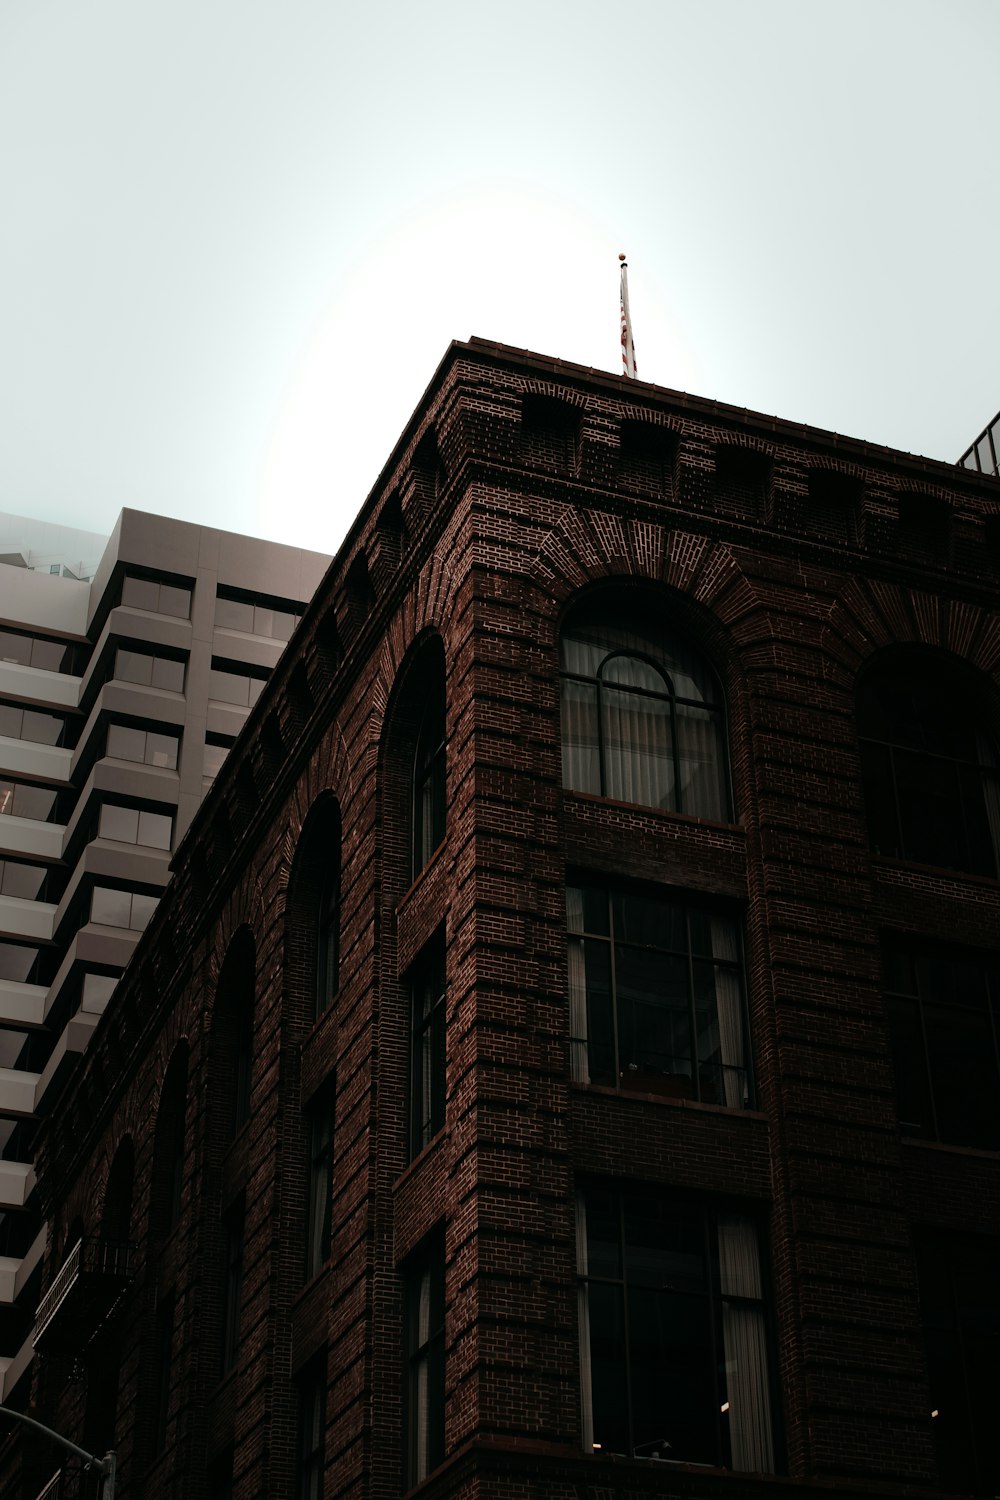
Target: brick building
point(566, 1061)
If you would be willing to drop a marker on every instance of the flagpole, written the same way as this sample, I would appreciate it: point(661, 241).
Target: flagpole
point(628, 343)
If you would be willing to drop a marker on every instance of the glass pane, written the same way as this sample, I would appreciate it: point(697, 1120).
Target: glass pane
point(23, 881)
point(637, 752)
point(674, 1397)
point(40, 728)
point(161, 750)
point(143, 908)
point(664, 1243)
point(964, 1076)
point(15, 648)
point(913, 1100)
point(10, 721)
point(702, 763)
point(608, 1377)
point(120, 823)
point(134, 666)
point(140, 593)
point(110, 908)
point(125, 743)
point(233, 614)
point(227, 687)
point(155, 830)
point(168, 674)
point(175, 601)
point(581, 762)
point(599, 1016)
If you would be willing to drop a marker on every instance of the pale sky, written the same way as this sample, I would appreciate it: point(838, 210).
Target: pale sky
point(237, 236)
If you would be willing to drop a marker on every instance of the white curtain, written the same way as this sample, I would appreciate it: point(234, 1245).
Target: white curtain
point(580, 749)
point(745, 1347)
point(579, 1061)
point(638, 757)
point(729, 1000)
point(702, 763)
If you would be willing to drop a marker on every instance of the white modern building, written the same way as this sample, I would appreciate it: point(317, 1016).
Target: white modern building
point(127, 668)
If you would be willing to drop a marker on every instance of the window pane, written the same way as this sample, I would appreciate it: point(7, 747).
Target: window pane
point(155, 830)
point(140, 593)
point(175, 601)
point(143, 908)
point(120, 823)
point(134, 666)
point(110, 908)
point(233, 614)
point(168, 674)
point(23, 881)
point(125, 743)
point(15, 648)
point(161, 750)
point(580, 738)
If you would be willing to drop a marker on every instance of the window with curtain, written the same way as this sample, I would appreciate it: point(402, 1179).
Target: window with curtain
point(943, 1008)
point(656, 995)
point(319, 1184)
point(930, 767)
point(960, 1310)
point(673, 1331)
point(427, 1045)
point(642, 714)
point(429, 778)
point(424, 1360)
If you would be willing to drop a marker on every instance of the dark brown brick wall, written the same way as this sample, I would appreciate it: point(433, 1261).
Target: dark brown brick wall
point(782, 553)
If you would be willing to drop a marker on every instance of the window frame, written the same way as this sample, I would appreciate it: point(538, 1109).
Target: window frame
point(705, 1220)
point(589, 621)
point(424, 1360)
point(310, 1460)
point(735, 1078)
point(320, 1124)
point(429, 816)
point(427, 985)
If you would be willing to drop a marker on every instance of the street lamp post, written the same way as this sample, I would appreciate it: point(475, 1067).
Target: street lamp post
point(105, 1466)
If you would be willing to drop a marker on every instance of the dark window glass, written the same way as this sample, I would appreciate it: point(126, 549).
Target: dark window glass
point(424, 1300)
point(233, 1243)
point(19, 800)
point(30, 724)
point(960, 1306)
point(149, 671)
point(234, 614)
point(113, 908)
point(145, 746)
point(429, 781)
point(656, 996)
point(23, 881)
point(160, 598)
point(642, 716)
point(268, 620)
point(931, 769)
point(36, 651)
point(312, 1430)
point(427, 1046)
point(130, 825)
point(319, 1187)
point(17, 962)
point(234, 687)
point(673, 1331)
point(944, 1020)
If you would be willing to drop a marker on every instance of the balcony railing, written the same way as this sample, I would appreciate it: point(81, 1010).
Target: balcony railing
point(52, 1489)
point(90, 1282)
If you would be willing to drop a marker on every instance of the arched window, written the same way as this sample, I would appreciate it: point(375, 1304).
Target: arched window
point(642, 714)
point(429, 777)
point(930, 766)
point(314, 910)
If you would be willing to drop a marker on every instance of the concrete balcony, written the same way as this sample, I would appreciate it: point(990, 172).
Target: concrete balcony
point(33, 839)
point(22, 1005)
point(15, 1273)
point(47, 689)
point(70, 1046)
point(90, 1283)
point(26, 758)
point(17, 1182)
point(26, 919)
point(17, 1093)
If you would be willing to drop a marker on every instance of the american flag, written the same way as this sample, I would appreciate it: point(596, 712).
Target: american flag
point(628, 343)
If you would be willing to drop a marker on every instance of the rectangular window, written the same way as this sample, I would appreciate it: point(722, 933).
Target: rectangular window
point(424, 1311)
point(960, 1309)
point(256, 617)
point(673, 1332)
point(19, 800)
point(656, 996)
point(146, 670)
point(24, 881)
point(36, 651)
point(160, 598)
point(239, 688)
point(111, 908)
point(944, 1021)
point(233, 1245)
point(30, 724)
point(132, 825)
point(312, 1430)
point(18, 962)
point(427, 1045)
point(144, 746)
point(319, 1187)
